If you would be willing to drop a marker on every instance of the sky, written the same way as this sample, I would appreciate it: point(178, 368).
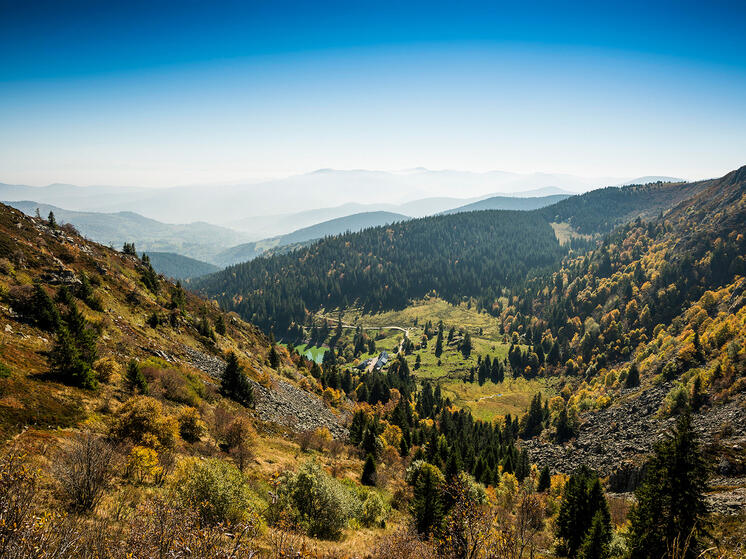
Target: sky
point(173, 93)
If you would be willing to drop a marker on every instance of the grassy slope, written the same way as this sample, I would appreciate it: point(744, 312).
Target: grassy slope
point(451, 369)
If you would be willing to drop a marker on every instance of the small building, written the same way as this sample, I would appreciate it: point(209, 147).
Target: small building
point(383, 358)
point(364, 365)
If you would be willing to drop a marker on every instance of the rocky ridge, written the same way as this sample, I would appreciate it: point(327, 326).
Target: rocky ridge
point(616, 441)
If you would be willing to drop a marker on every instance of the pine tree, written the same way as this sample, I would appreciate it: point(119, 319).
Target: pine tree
point(83, 335)
point(427, 501)
point(52, 221)
point(439, 344)
point(596, 542)
point(274, 357)
point(135, 378)
point(369, 471)
point(582, 501)
point(44, 312)
point(67, 363)
point(220, 325)
point(534, 419)
point(466, 345)
point(417, 362)
point(235, 384)
point(670, 506)
point(357, 427)
point(545, 480)
point(633, 377)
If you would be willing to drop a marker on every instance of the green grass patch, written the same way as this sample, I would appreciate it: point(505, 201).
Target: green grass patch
point(313, 353)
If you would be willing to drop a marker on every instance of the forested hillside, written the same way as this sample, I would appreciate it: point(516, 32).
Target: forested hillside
point(510, 203)
point(599, 211)
point(475, 254)
point(354, 222)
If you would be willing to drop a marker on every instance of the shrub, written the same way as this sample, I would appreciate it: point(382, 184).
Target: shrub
point(191, 426)
point(142, 420)
point(106, 368)
point(374, 510)
point(215, 488)
point(677, 400)
point(5, 371)
point(84, 470)
point(321, 505)
point(143, 464)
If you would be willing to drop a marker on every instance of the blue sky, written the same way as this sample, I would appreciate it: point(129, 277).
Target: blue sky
point(163, 93)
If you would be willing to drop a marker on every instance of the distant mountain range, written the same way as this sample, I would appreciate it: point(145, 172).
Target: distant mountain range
point(509, 203)
point(415, 192)
point(179, 267)
point(351, 223)
point(197, 240)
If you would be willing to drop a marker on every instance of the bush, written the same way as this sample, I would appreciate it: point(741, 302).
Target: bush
point(215, 488)
point(374, 510)
point(143, 464)
point(142, 420)
point(106, 368)
point(84, 470)
point(191, 426)
point(5, 371)
point(677, 400)
point(320, 504)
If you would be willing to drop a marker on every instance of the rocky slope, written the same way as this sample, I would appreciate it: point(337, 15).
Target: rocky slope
point(184, 338)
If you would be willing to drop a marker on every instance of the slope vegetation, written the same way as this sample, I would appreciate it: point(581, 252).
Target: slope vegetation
point(464, 255)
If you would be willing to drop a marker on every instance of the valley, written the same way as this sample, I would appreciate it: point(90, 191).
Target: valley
point(490, 349)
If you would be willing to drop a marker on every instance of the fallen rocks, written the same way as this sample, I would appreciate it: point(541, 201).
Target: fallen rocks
point(284, 404)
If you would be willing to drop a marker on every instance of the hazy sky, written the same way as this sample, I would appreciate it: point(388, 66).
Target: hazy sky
point(165, 93)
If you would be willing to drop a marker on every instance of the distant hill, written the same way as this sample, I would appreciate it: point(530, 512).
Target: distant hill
point(651, 178)
point(352, 223)
point(226, 203)
point(179, 267)
point(600, 211)
point(196, 240)
point(510, 203)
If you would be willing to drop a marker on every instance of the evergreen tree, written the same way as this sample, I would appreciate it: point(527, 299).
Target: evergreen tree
point(545, 480)
point(67, 363)
point(417, 362)
point(44, 312)
point(670, 508)
point(582, 500)
point(466, 345)
point(427, 501)
point(274, 357)
point(220, 325)
point(439, 344)
point(565, 427)
point(534, 420)
point(52, 221)
point(235, 384)
point(134, 377)
point(369, 471)
point(596, 542)
point(83, 335)
point(633, 377)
